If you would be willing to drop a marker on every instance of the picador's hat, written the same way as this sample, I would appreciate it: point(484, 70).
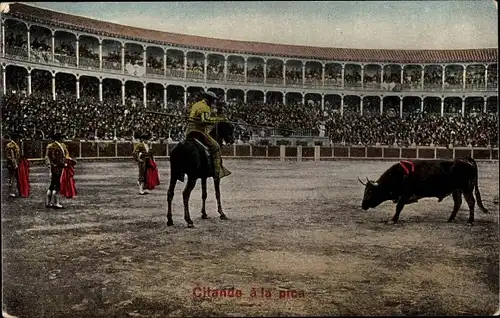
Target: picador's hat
point(210, 95)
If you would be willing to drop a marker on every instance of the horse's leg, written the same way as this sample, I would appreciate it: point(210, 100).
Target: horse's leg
point(170, 197)
point(203, 197)
point(217, 196)
point(191, 182)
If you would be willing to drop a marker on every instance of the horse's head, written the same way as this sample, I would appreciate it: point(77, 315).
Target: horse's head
point(223, 131)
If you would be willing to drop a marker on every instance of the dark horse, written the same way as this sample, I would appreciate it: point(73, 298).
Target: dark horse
point(192, 158)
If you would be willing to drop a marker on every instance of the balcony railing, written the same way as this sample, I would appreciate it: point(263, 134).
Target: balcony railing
point(274, 81)
point(175, 73)
point(293, 82)
point(115, 67)
point(155, 72)
point(88, 63)
point(16, 52)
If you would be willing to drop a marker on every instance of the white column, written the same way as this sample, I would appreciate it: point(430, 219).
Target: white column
point(3, 39)
point(165, 100)
point(185, 70)
point(361, 105)
point(343, 74)
point(265, 95)
point(322, 103)
point(100, 90)
point(53, 45)
point(77, 88)
point(464, 77)
point(29, 82)
point(485, 104)
point(400, 106)
point(463, 106)
point(422, 104)
point(54, 86)
point(402, 73)
point(185, 97)
point(144, 95)
point(443, 75)
point(123, 93)
point(246, 70)
point(486, 76)
point(77, 52)
point(144, 58)
point(265, 75)
point(303, 73)
point(225, 68)
point(29, 43)
point(284, 98)
point(100, 54)
point(322, 74)
point(165, 63)
point(225, 96)
point(422, 78)
point(205, 68)
point(341, 105)
point(362, 76)
point(381, 105)
point(245, 94)
point(4, 81)
point(284, 74)
point(123, 57)
point(303, 98)
point(382, 75)
point(442, 106)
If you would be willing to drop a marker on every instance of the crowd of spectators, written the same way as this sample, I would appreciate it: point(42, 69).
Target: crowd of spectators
point(86, 118)
point(90, 119)
point(416, 129)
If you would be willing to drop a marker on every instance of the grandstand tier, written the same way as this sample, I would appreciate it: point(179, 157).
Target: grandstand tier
point(106, 74)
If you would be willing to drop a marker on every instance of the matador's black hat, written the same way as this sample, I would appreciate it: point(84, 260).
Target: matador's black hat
point(57, 135)
point(146, 136)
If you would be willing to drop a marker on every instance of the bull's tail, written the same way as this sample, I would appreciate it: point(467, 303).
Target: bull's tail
point(476, 187)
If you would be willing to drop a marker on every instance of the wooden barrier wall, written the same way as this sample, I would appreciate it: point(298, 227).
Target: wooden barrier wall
point(35, 149)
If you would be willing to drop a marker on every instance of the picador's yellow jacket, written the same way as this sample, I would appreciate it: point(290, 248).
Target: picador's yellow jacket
point(199, 118)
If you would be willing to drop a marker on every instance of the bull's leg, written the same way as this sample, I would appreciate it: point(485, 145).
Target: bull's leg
point(203, 197)
point(185, 197)
point(170, 197)
point(457, 198)
point(217, 196)
point(471, 202)
point(399, 207)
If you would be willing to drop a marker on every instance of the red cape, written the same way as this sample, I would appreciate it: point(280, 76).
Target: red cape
point(23, 178)
point(152, 177)
point(68, 187)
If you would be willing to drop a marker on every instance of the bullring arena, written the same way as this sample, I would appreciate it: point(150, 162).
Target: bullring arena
point(297, 242)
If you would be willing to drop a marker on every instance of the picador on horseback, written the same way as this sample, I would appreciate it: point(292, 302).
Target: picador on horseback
point(199, 121)
point(199, 156)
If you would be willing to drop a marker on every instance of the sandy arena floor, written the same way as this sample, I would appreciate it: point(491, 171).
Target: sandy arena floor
point(293, 227)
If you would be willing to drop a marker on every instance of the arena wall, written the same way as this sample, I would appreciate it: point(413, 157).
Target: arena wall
point(35, 151)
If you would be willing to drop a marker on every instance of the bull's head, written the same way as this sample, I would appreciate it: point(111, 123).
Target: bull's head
point(374, 194)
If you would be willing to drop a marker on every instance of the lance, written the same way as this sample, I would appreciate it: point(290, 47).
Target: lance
point(241, 123)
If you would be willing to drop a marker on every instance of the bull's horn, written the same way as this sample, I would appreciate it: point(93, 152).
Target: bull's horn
point(361, 181)
point(368, 180)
